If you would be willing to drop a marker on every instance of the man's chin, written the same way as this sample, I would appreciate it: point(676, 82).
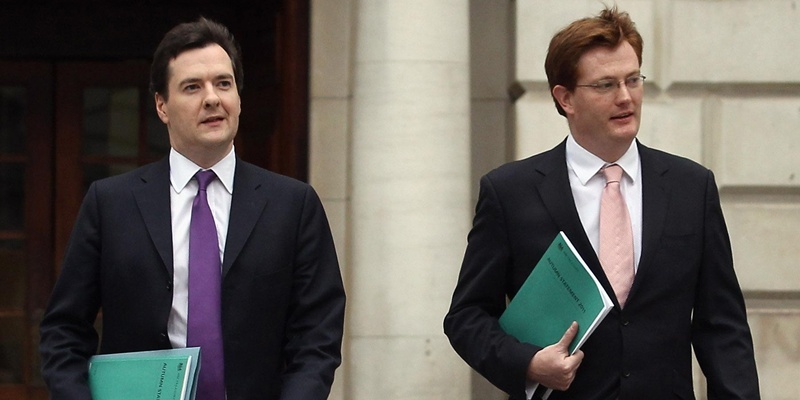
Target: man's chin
point(626, 134)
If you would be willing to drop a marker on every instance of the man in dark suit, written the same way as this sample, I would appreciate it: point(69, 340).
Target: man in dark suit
point(684, 292)
point(280, 301)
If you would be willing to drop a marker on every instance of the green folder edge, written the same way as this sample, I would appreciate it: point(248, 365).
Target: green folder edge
point(544, 330)
point(191, 373)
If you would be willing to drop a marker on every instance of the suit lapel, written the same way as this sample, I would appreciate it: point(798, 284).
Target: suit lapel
point(655, 195)
point(152, 198)
point(247, 204)
point(556, 196)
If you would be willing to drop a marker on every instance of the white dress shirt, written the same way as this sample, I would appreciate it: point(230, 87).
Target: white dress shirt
point(587, 183)
point(183, 191)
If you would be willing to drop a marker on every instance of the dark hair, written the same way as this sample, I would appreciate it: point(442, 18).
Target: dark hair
point(189, 36)
point(608, 29)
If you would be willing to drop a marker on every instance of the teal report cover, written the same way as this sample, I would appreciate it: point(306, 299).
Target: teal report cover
point(559, 290)
point(158, 375)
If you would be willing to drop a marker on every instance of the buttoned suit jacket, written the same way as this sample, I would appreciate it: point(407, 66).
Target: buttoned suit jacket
point(282, 293)
point(685, 291)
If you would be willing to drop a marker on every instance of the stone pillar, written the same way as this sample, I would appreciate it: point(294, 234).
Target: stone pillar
point(409, 208)
point(491, 76)
point(329, 136)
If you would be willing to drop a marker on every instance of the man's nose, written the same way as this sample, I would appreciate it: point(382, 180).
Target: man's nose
point(212, 98)
point(623, 93)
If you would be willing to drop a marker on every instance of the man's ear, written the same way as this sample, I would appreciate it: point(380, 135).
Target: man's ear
point(161, 110)
point(563, 97)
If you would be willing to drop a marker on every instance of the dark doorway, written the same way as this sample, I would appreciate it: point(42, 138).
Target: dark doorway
point(74, 107)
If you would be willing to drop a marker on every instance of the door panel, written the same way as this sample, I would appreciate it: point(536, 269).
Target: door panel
point(25, 222)
point(107, 125)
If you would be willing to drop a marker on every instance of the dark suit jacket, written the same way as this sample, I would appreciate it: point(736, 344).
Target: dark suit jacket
point(685, 291)
point(282, 293)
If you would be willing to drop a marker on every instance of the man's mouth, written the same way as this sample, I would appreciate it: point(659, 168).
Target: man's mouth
point(212, 119)
point(623, 115)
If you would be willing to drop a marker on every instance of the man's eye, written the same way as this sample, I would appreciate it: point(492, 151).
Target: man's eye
point(605, 85)
point(191, 88)
point(226, 84)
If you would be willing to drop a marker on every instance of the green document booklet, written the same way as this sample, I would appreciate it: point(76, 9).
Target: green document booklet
point(158, 375)
point(559, 290)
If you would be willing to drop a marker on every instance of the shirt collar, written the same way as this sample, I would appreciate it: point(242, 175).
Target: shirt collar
point(586, 165)
point(182, 170)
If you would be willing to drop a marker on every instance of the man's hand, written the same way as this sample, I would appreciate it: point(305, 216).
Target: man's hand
point(552, 366)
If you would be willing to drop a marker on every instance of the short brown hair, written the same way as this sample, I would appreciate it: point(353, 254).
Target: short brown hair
point(608, 29)
point(190, 36)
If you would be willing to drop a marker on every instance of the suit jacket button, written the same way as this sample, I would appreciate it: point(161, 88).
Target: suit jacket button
point(169, 286)
point(626, 374)
point(625, 323)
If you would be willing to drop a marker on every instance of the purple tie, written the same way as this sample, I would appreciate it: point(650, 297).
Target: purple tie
point(204, 326)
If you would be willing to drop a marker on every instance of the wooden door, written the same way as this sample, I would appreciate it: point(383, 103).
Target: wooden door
point(82, 112)
point(107, 125)
point(26, 239)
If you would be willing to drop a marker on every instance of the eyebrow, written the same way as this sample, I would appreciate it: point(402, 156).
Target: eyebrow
point(637, 72)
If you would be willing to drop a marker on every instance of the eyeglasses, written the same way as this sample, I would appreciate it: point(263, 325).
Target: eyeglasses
point(604, 86)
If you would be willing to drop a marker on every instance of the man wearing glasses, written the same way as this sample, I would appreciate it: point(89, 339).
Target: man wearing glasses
point(648, 224)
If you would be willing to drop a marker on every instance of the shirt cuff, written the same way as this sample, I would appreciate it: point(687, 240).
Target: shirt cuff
point(530, 389)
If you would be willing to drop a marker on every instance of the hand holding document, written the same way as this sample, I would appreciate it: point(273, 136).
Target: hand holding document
point(553, 366)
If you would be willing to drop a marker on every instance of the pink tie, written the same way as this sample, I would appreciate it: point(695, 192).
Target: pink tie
point(616, 237)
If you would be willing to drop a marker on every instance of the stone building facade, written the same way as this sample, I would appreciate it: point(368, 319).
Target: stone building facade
point(413, 100)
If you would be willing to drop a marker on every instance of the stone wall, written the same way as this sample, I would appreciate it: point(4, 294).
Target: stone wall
point(723, 88)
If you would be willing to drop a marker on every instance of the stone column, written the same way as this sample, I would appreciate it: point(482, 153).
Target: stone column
point(410, 200)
